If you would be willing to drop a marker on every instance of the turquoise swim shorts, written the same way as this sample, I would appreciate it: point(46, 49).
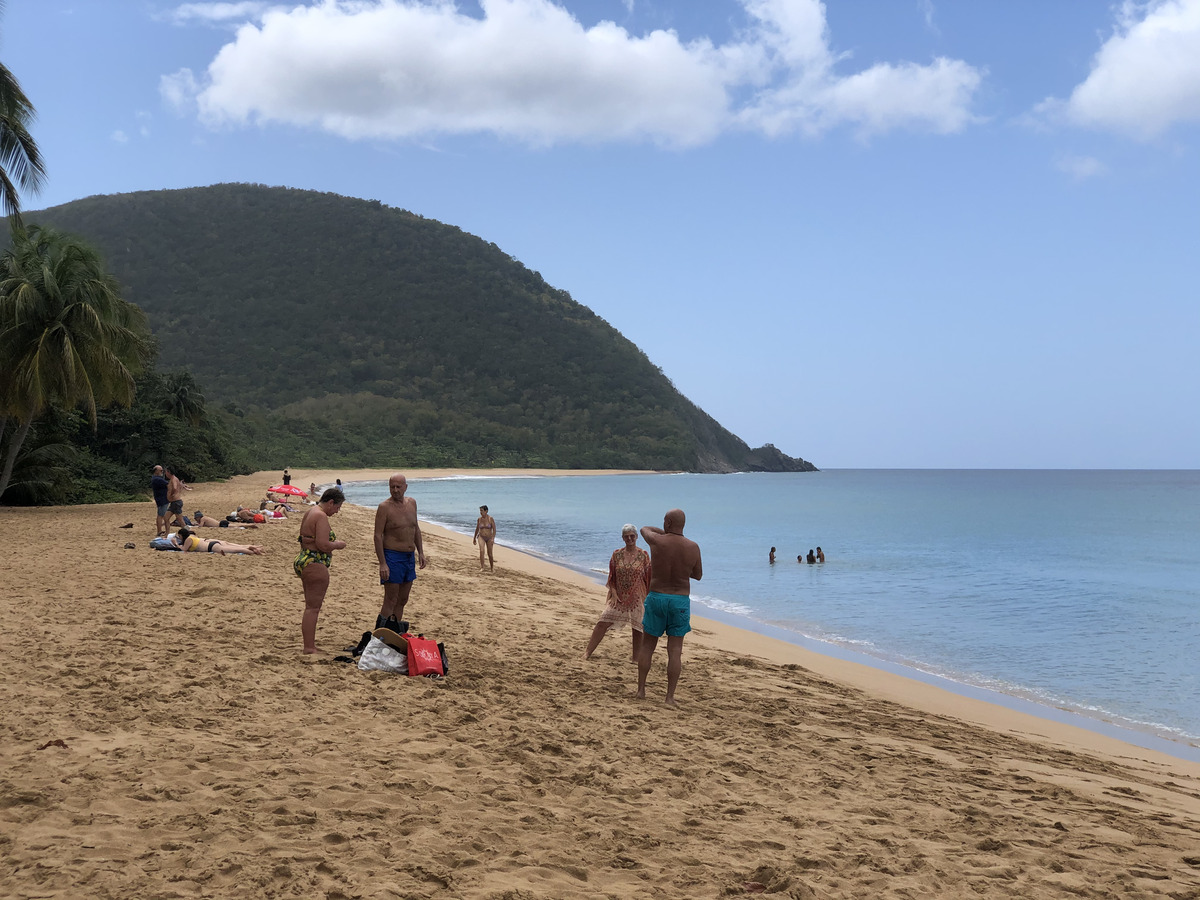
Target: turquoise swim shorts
point(669, 614)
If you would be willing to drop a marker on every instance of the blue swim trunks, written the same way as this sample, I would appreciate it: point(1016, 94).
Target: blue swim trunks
point(402, 566)
point(667, 613)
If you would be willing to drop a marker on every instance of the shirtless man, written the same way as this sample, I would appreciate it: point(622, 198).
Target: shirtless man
point(397, 537)
point(485, 535)
point(175, 489)
point(674, 562)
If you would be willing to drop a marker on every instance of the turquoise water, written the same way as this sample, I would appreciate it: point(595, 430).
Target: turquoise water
point(1076, 590)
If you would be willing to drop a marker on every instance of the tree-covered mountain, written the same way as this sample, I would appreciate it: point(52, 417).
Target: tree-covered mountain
point(336, 331)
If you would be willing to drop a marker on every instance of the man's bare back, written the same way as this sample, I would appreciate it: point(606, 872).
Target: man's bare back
point(676, 559)
point(674, 562)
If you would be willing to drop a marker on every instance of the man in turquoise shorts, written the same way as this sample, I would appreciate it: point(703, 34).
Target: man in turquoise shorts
point(674, 562)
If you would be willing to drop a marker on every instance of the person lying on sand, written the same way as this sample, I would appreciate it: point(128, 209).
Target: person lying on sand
point(200, 520)
point(188, 541)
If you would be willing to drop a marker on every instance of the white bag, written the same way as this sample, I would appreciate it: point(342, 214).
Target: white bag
point(379, 657)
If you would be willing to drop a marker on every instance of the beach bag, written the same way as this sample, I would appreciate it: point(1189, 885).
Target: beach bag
point(424, 658)
point(379, 657)
point(393, 624)
point(162, 543)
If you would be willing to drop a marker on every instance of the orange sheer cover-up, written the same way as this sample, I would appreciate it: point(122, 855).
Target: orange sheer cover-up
point(628, 582)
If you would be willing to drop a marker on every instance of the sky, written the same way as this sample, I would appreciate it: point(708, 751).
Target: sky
point(874, 233)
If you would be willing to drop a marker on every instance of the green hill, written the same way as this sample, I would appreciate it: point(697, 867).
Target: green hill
point(336, 331)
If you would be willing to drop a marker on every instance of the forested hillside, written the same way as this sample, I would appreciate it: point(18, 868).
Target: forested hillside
point(336, 331)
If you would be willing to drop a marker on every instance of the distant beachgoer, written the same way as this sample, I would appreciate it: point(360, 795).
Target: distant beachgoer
point(279, 512)
point(800, 558)
point(772, 556)
point(317, 543)
point(175, 489)
point(485, 536)
point(159, 485)
point(287, 477)
point(202, 521)
point(312, 489)
point(675, 561)
point(820, 555)
point(244, 514)
point(189, 541)
point(812, 557)
point(397, 539)
point(628, 582)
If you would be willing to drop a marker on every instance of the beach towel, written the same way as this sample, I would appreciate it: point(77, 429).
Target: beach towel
point(379, 657)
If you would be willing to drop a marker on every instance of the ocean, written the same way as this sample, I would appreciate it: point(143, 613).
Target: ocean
point(1076, 593)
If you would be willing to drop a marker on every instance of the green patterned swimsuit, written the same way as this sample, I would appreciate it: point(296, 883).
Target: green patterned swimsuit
point(311, 556)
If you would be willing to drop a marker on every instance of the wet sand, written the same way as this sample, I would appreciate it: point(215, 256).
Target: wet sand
point(165, 737)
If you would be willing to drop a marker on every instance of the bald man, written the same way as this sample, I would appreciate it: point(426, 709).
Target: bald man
point(159, 486)
point(397, 539)
point(674, 562)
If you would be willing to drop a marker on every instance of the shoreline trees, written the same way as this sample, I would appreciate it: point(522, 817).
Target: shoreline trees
point(67, 337)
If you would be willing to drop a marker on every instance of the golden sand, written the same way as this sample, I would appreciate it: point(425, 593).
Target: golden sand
point(164, 737)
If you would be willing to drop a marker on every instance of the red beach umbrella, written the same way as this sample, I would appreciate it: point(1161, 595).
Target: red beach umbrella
point(287, 489)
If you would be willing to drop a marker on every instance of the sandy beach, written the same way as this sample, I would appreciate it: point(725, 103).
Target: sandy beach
point(164, 737)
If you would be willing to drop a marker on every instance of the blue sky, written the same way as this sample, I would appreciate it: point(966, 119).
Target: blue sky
point(876, 233)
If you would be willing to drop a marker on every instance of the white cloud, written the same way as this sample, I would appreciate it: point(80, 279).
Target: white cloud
point(119, 137)
point(179, 90)
point(1146, 77)
point(1081, 167)
point(218, 12)
point(529, 71)
point(927, 12)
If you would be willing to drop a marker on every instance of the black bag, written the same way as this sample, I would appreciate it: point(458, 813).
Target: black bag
point(445, 659)
point(362, 644)
point(391, 623)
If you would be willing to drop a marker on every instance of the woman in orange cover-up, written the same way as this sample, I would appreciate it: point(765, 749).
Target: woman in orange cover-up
point(628, 582)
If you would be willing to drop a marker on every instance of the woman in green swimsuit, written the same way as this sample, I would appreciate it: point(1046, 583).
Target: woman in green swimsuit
point(312, 563)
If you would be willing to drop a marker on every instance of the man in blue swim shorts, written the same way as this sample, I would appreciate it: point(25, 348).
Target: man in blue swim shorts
point(674, 562)
point(159, 485)
point(398, 547)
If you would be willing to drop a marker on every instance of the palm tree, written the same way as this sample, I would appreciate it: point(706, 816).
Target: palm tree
point(66, 335)
point(183, 398)
point(20, 162)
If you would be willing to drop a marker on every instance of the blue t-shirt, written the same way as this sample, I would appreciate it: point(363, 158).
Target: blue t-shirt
point(159, 485)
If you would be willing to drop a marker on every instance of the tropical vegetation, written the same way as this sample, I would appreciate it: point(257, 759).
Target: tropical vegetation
point(76, 360)
point(83, 414)
point(21, 166)
point(330, 331)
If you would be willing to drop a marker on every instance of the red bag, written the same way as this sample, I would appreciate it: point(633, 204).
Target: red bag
point(423, 656)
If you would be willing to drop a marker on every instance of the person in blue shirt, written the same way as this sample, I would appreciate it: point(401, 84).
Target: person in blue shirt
point(159, 485)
